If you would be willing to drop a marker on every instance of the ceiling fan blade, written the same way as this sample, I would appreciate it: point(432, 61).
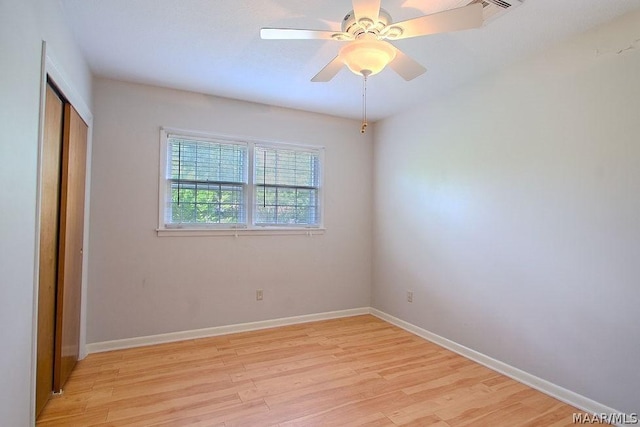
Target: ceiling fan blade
point(405, 66)
point(369, 9)
point(295, 34)
point(329, 71)
point(462, 18)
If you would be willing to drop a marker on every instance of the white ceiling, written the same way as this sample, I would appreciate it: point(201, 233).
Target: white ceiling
point(214, 47)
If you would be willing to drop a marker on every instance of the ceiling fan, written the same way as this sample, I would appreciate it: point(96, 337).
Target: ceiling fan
point(366, 29)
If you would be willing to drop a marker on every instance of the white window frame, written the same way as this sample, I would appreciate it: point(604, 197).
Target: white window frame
point(248, 228)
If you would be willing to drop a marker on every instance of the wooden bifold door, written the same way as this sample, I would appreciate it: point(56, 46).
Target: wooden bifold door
point(63, 169)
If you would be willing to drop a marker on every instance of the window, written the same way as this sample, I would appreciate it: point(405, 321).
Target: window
point(286, 186)
point(210, 183)
point(206, 182)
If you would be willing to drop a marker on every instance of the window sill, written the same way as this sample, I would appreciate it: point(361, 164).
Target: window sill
point(271, 231)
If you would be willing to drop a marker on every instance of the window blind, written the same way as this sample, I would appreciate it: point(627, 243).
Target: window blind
point(287, 185)
point(206, 181)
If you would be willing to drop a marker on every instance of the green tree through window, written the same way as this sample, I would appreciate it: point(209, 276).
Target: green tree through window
point(287, 186)
point(207, 182)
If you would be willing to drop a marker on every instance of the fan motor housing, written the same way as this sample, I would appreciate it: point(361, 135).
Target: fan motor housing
point(357, 28)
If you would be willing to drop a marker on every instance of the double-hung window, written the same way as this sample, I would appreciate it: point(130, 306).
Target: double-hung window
point(218, 183)
point(286, 186)
point(206, 182)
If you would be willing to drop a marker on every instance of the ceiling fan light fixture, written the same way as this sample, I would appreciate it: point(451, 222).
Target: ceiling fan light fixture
point(367, 55)
point(364, 30)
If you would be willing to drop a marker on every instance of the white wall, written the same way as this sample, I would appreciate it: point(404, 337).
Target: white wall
point(23, 26)
point(141, 284)
point(511, 208)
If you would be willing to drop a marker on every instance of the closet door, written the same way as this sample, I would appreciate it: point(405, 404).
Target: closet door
point(49, 222)
point(74, 153)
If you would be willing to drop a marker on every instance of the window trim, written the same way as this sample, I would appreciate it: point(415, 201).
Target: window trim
point(249, 228)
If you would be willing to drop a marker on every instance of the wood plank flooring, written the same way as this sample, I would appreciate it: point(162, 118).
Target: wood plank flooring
point(344, 372)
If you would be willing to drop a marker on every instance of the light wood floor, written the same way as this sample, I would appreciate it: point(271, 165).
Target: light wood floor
point(344, 372)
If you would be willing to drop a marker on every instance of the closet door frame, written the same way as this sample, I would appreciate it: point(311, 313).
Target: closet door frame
point(52, 69)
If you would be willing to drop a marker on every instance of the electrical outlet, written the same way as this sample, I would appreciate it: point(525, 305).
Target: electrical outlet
point(409, 296)
point(258, 294)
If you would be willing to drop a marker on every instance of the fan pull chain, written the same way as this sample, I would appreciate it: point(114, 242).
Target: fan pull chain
point(363, 129)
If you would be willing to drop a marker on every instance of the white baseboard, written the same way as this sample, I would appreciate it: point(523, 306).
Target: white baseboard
point(546, 387)
point(100, 347)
